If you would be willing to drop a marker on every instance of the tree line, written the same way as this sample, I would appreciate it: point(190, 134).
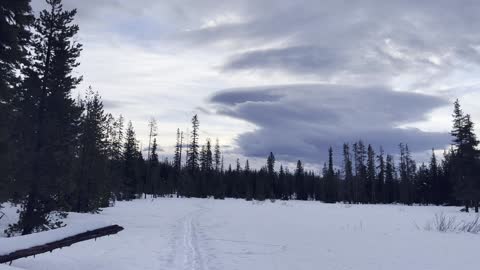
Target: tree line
point(60, 153)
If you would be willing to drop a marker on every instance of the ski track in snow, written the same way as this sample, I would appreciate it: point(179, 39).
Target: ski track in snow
point(185, 239)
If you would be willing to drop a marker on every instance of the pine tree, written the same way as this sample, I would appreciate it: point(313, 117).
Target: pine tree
point(282, 180)
point(348, 173)
point(433, 183)
point(130, 156)
point(380, 180)
point(154, 170)
point(203, 153)
point(422, 185)
point(92, 190)
point(177, 160)
point(208, 157)
point(465, 159)
point(299, 181)
point(193, 153)
point(260, 184)
point(271, 183)
point(249, 185)
point(371, 173)
point(117, 140)
point(217, 156)
point(152, 126)
point(360, 172)
point(407, 175)
point(330, 180)
point(50, 115)
point(390, 196)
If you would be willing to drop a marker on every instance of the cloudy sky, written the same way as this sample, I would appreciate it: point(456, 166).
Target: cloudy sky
point(292, 77)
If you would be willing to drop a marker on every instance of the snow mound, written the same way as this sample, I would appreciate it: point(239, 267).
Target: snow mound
point(8, 245)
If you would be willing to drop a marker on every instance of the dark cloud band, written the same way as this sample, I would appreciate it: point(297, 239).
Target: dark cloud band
point(302, 121)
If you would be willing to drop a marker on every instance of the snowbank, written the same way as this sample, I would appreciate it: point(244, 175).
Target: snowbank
point(8, 245)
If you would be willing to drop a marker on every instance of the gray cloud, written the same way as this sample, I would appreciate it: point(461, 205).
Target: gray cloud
point(323, 62)
point(304, 120)
point(116, 104)
point(233, 97)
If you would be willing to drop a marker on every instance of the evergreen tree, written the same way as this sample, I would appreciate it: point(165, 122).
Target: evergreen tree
point(299, 182)
point(271, 183)
point(217, 156)
point(330, 180)
point(154, 170)
point(390, 185)
point(152, 126)
point(360, 172)
point(465, 159)
point(208, 159)
point(371, 173)
point(131, 158)
point(260, 183)
point(118, 138)
point(348, 173)
point(49, 117)
point(433, 181)
point(203, 153)
point(284, 188)
point(249, 185)
point(380, 180)
point(422, 185)
point(177, 160)
point(407, 175)
point(193, 153)
point(91, 187)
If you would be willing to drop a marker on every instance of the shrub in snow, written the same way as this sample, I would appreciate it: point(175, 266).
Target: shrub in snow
point(472, 226)
point(442, 223)
point(53, 220)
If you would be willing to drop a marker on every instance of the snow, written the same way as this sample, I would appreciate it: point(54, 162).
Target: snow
point(8, 245)
point(207, 234)
point(6, 267)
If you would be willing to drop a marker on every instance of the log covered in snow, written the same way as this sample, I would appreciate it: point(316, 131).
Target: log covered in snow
point(65, 242)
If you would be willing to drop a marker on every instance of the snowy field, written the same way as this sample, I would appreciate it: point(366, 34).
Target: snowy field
point(201, 234)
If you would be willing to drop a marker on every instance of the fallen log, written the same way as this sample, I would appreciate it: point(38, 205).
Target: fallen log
point(65, 242)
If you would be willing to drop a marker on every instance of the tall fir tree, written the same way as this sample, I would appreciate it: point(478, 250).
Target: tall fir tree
point(348, 173)
point(177, 159)
point(152, 134)
point(131, 155)
point(271, 183)
point(360, 156)
point(193, 151)
point(465, 159)
point(301, 194)
point(371, 175)
point(330, 180)
point(433, 181)
point(49, 116)
point(91, 190)
point(217, 156)
point(380, 180)
point(390, 180)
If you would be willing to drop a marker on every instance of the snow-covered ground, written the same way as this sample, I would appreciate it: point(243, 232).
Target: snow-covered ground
point(201, 234)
